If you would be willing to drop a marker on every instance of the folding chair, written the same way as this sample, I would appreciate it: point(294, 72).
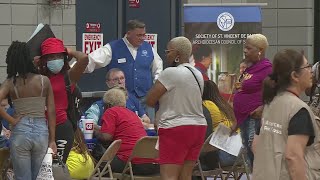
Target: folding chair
point(144, 148)
point(107, 157)
point(4, 161)
point(198, 169)
point(239, 167)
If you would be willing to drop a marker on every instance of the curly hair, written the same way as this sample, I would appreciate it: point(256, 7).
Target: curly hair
point(259, 41)
point(19, 61)
point(116, 96)
point(182, 45)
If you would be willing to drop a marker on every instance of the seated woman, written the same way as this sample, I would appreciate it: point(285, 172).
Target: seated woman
point(80, 162)
point(118, 122)
point(221, 112)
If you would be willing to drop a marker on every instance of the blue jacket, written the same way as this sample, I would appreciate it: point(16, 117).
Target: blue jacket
point(132, 104)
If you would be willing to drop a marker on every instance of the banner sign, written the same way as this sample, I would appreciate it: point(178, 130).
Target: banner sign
point(152, 39)
point(93, 27)
point(134, 3)
point(224, 29)
point(91, 42)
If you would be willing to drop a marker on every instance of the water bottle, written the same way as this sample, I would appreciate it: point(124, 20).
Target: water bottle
point(80, 122)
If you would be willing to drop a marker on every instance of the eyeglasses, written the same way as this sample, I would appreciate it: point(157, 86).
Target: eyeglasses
point(308, 66)
point(117, 79)
point(168, 50)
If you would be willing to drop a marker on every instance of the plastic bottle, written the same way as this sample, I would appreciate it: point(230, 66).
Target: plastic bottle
point(80, 122)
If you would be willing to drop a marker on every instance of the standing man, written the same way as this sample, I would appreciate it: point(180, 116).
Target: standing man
point(135, 57)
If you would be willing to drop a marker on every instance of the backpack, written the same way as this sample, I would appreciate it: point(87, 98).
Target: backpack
point(74, 100)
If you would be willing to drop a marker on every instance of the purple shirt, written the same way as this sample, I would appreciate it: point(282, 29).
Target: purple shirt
point(249, 97)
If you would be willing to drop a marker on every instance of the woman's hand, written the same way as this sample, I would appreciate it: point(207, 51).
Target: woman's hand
point(16, 119)
point(257, 113)
point(53, 146)
point(70, 53)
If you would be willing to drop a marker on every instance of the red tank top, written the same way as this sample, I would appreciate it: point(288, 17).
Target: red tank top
point(60, 97)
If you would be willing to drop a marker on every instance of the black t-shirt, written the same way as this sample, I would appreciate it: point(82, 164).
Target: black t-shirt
point(300, 124)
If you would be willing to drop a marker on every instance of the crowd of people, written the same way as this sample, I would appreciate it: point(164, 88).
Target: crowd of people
point(279, 131)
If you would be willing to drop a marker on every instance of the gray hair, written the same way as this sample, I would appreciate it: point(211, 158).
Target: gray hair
point(112, 70)
point(133, 24)
point(182, 45)
point(115, 97)
point(258, 40)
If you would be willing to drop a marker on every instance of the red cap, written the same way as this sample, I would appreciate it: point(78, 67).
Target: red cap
point(52, 46)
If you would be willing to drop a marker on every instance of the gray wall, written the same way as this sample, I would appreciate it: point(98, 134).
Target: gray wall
point(19, 18)
point(286, 23)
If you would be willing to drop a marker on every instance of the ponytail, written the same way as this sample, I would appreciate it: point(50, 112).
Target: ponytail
point(270, 88)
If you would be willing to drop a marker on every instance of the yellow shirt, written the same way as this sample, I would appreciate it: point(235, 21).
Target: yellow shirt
point(216, 115)
point(78, 167)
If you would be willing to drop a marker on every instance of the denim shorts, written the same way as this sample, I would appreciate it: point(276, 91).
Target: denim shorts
point(28, 146)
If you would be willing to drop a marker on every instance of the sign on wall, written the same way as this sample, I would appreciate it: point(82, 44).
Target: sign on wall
point(152, 39)
point(224, 29)
point(134, 3)
point(91, 42)
point(93, 27)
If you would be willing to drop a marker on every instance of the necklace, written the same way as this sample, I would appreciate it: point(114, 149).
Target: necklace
point(290, 91)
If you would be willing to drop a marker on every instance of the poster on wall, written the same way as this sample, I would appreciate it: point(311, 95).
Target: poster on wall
point(91, 42)
point(223, 29)
point(152, 39)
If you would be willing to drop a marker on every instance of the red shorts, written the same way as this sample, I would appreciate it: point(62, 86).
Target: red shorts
point(179, 144)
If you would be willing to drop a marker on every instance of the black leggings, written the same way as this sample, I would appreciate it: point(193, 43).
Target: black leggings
point(64, 139)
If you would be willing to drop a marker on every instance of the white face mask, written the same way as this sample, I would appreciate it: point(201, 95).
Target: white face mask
point(55, 66)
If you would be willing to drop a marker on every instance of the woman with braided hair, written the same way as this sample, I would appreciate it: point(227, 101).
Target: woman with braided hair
point(31, 94)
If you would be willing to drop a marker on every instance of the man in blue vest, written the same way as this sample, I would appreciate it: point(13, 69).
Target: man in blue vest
point(140, 63)
point(116, 77)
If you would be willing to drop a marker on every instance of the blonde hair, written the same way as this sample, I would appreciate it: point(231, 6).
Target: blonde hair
point(183, 46)
point(116, 96)
point(258, 40)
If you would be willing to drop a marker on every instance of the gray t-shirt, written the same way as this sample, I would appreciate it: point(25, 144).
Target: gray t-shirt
point(182, 103)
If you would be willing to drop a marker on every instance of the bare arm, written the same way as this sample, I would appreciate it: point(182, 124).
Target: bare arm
point(51, 116)
point(104, 137)
point(4, 92)
point(295, 156)
point(157, 65)
point(78, 68)
point(155, 94)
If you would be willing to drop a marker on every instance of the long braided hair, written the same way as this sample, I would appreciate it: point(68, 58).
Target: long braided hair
point(19, 62)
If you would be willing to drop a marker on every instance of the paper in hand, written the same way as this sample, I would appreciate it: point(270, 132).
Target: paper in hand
point(41, 33)
point(221, 139)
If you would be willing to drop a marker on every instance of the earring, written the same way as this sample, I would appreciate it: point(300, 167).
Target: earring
point(176, 60)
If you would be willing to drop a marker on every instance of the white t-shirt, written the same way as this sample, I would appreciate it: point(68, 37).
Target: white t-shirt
point(182, 103)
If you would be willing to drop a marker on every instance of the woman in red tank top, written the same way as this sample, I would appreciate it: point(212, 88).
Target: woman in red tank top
point(54, 63)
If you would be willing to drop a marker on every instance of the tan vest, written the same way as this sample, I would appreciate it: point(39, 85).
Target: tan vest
point(269, 160)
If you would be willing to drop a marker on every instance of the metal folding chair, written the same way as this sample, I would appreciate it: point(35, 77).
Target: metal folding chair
point(106, 158)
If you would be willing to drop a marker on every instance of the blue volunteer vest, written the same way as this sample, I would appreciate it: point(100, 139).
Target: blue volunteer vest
point(138, 72)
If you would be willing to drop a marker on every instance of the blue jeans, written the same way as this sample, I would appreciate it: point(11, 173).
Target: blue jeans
point(150, 111)
point(226, 159)
point(248, 130)
point(29, 144)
